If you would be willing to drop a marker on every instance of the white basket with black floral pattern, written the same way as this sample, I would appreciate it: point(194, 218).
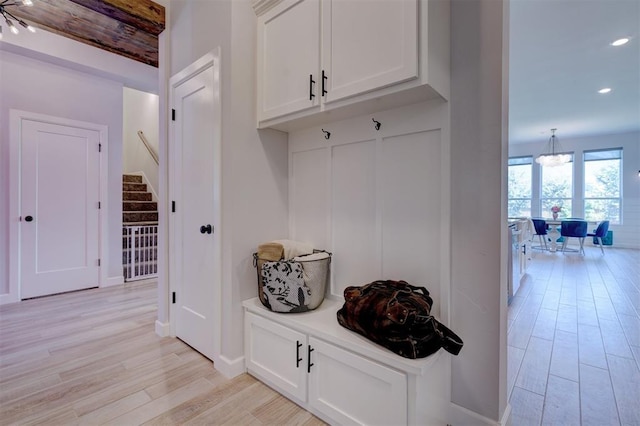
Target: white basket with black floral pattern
point(295, 285)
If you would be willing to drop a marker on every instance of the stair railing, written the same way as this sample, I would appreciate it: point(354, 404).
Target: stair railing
point(146, 143)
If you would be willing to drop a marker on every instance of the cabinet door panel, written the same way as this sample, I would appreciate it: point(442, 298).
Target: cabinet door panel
point(288, 53)
point(350, 389)
point(368, 44)
point(271, 354)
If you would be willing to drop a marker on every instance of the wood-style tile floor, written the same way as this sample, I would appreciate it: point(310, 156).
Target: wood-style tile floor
point(92, 357)
point(574, 340)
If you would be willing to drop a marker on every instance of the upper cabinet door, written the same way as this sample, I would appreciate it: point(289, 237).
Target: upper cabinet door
point(367, 45)
point(288, 58)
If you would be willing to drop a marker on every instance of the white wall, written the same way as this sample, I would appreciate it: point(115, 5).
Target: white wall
point(31, 85)
point(478, 218)
point(258, 194)
point(627, 234)
point(254, 172)
point(140, 112)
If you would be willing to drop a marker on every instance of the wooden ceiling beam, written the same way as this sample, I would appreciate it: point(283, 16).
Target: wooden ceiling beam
point(142, 14)
point(109, 28)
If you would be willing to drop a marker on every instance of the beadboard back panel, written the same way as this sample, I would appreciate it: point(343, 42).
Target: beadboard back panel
point(354, 213)
point(309, 194)
point(374, 198)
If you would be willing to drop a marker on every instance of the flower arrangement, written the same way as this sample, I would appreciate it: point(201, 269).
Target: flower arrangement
point(556, 209)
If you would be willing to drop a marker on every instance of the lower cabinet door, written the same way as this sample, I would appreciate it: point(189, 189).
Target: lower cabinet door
point(277, 355)
point(350, 389)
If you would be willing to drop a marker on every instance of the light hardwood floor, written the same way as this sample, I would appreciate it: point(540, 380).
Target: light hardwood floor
point(574, 340)
point(92, 357)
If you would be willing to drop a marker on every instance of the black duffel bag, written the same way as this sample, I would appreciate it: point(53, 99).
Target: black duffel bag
point(397, 315)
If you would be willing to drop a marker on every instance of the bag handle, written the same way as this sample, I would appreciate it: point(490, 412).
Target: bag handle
point(385, 283)
point(424, 290)
point(450, 341)
point(412, 289)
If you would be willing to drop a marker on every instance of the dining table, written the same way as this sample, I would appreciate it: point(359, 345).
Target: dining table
point(554, 233)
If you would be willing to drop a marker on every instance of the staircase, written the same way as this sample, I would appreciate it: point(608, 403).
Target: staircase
point(139, 230)
point(137, 205)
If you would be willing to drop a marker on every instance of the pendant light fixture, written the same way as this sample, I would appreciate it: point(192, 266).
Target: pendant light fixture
point(9, 17)
point(553, 158)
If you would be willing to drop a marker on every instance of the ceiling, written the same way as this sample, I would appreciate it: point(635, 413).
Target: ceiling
point(560, 56)
point(126, 27)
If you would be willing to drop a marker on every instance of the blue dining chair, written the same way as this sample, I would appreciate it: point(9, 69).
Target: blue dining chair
point(600, 232)
point(540, 226)
point(575, 228)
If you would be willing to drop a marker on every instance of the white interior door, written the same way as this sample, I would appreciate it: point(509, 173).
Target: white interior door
point(60, 191)
point(194, 224)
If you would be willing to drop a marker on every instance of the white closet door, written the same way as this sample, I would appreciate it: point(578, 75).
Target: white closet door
point(195, 188)
point(60, 190)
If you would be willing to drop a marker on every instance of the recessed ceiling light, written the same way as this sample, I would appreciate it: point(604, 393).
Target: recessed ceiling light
point(604, 90)
point(620, 42)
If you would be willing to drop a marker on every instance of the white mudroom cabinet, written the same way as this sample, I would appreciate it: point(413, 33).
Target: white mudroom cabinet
point(361, 87)
point(337, 375)
point(347, 57)
point(376, 199)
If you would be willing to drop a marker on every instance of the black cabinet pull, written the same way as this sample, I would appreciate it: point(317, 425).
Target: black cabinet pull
point(324, 79)
point(298, 359)
point(28, 218)
point(311, 83)
point(206, 229)
point(309, 363)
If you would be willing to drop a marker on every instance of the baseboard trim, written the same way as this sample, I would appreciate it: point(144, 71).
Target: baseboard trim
point(7, 298)
point(229, 368)
point(163, 329)
point(506, 416)
point(111, 281)
point(461, 415)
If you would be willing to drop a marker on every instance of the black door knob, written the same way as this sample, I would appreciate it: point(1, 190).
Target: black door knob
point(28, 218)
point(206, 229)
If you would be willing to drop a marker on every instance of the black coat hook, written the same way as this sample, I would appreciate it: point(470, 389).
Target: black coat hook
point(327, 135)
point(377, 124)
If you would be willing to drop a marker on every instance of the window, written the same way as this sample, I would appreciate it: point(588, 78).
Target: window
point(602, 194)
point(519, 186)
point(557, 189)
